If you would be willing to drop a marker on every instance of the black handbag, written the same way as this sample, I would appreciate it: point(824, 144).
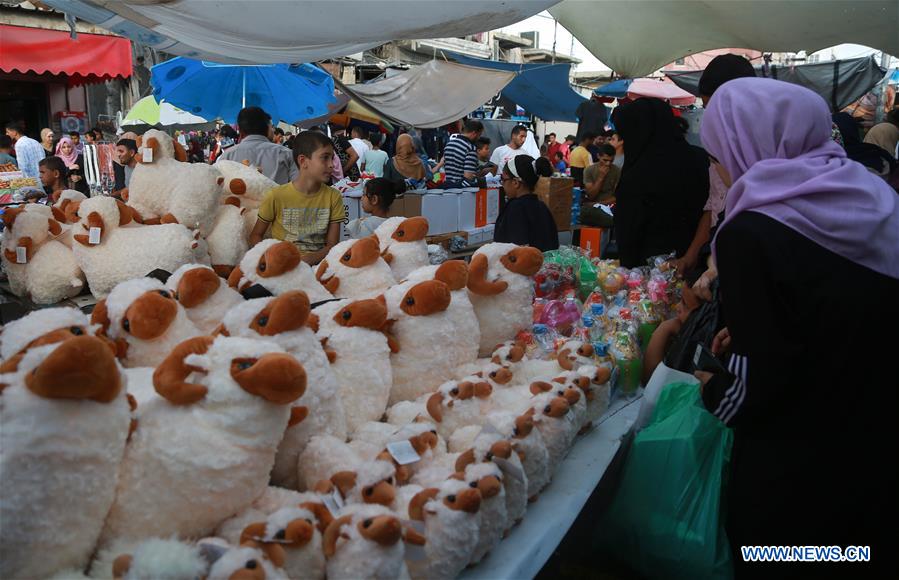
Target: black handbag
point(700, 328)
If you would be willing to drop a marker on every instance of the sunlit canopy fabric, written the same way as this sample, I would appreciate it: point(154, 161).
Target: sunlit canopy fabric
point(660, 90)
point(274, 31)
point(90, 58)
point(616, 89)
point(540, 89)
point(431, 95)
point(636, 38)
point(148, 111)
point(840, 82)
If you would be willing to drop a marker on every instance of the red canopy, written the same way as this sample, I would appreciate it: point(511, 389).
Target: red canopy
point(89, 58)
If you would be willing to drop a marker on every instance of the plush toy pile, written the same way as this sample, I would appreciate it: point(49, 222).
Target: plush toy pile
point(183, 431)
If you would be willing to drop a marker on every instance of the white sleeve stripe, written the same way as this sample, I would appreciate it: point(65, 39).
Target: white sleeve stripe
point(727, 418)
point(734, 395)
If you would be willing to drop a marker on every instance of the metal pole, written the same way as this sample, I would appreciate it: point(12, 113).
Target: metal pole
point(243, 95)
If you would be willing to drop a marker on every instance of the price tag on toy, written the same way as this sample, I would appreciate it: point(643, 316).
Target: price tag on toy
point(332, 505)
point(21, 255)
point(147, 155)
point(510, 469)
point(403, 452)
point(93, 236)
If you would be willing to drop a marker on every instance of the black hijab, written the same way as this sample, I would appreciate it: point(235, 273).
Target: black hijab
point(868, 154)
point(664, 183)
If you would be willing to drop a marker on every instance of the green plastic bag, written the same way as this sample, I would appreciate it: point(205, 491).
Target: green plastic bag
point(666, 520)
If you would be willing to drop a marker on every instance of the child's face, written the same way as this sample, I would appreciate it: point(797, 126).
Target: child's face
point(484, 153)
point(319, 165)
point(369, 202)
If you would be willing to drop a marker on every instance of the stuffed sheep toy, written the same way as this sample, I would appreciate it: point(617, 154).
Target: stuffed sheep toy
point(451, 521)
point(490, 446)
point(556, 425)
point(290, 540)
point(366, 542)
point(403, 245)
point(594, 382)
point(149, 559)
point(420, 325)
point(355, 269)
point(247, 562)
point(64, 421)
point(488, 479)
point(282, 320)
point(572, 389)
point(211, 436)
point(124, 251)
point(145, 321)
point(170, 191)
point(38, 262)
point(205, 297)
point(277, 267)
point(528, 445)
point(422, 437)
point(245, 185)
point(458, 404)
point(353, 331)
point(228, 239)
point(65, 209)
point(502, 290)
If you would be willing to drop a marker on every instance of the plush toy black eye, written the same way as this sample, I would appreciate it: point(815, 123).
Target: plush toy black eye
point(547, 409)
point(346, 315)
point(369, 491)
point(366, 523)
point(515, 431)
point(451, 498)
point(346, 257)
point(262, 321)
point(473, 484)
point(493, 375)
point(76, 330)
point(308, 521)
point(410, 301)
point(163, 293)
point(244, 365)
point(250, 565)
point(390, 480)
point(262, 266)
point(175, 295)
point(560, 392)
point(126, 325)
point(454, 391)
point(400, 233)
point(281, 535)
point(489, 455)
point(512, 258)
point(434, 431)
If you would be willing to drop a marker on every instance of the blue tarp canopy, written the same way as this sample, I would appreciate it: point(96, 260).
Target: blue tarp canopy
point(541, 89)
point(617, 89)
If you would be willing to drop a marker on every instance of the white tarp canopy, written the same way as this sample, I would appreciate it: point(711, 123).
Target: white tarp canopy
point(432, 94)
point(275, 31)
point(637, 37)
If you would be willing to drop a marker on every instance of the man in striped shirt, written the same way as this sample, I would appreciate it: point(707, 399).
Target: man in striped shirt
point(460, 158)
point(28, 151)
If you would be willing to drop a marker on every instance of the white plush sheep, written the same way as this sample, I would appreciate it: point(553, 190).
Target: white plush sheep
point(403, 245)
point(421, 327)
point(488, 479)
point(450, 516)
point(129, 252)
point(598, 390)
point(365, 542)
point(458, 404)
point(353, 331)
point(502, 290)
point(228, 239)
point(206, 298)
point(355, 269)
point(528, 444)
point(149, 559)
point(63, 423)
point(144, 320)
point(490, 446)
point(290, 540)
point(241, 563)
point(277, 267)
point(282, 319)
point(203, 451)
point(378, 444)
point(171, 191)
point(244, 183)
point(555, 423)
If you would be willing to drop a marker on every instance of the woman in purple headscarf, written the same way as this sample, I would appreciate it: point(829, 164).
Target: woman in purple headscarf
point(808, 262)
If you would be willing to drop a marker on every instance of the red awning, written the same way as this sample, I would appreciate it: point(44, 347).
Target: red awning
point(89, 58)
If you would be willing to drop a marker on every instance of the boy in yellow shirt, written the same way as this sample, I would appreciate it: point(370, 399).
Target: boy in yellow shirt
point(580, 159)
point(305, 211)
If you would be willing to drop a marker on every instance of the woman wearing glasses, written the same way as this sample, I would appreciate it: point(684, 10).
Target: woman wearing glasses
point(525, 220)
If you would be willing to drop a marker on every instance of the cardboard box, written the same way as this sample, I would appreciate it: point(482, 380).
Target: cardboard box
point(352, 209)
point(467, 210)
point(441, 211)
point(557, 194)
point(591, 241)
point(487, 207)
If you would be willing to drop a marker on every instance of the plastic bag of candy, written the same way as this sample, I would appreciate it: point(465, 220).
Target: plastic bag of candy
point(554, 279)
point(563, 316)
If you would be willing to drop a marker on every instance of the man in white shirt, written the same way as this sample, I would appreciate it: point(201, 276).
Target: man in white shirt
point(504, 153)
point(28, 151)
point(359, 144)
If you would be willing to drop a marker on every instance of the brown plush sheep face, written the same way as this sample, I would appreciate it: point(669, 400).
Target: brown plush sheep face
point(453, 273)
point(196, 286)
point(426, 298)
point(285, 313)
point(369, 313)
point(278, 259)
point(413, 229)
point(276, 377)
point(523, 260)
point(82, 367)
point(150, 315)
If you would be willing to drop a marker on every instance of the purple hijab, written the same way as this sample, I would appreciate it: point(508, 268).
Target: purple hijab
point(774, 140)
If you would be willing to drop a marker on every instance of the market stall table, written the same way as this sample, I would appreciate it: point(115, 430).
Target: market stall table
point(530, 544)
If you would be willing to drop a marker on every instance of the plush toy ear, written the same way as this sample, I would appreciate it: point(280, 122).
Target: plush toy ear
point(523, 260)
point(434, 405)
point(94, 220)
point(79, 368)
point(71, 211)
point(501, 449)
point(297, 415)
point(10, 215)
point(100, 315)
point(410, 536)
point(370, 313)
point(278, 259)
point(276, 377)
point(180, 153)
point(383, 530)
point(313, 322)
point(331, 283)
point(453, 273)
point(426, 298)
point(254, 531)
point(53, 227)
point(411, 230)
point(169, 377)
point(477, 278)
point(464, 460)
point(124, 213)
point(59, 212)
point(418, 501)
point(329, 540)
point(323, 517)
point(234, 277)
point(121, 565)
point(538, 387)
point(237, 186)
point(564, 359)
point(345, 481)
point(196, 286)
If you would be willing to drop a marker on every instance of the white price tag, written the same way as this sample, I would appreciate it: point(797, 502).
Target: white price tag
point(93, 236)
point(331, 505)
point(338, 499)
point(403, 452)
point(147, 154)
point(510, 469)
point(21, 255)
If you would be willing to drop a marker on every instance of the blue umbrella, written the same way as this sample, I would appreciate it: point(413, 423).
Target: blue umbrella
point(287, 92)
point(616, 89)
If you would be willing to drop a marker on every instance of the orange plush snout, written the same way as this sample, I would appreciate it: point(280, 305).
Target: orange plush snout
point(276, 377)
point(468, 501)
point(369, 313)
point(523, 260)
point(489, 486)
point(150, 315)
point(426, 298)
point(82, 367)
point(556, 408)
point(411, 230)
point(285, 313)
point(524, 424)
point(382, 493)
point(278, 259)
point(196, 286)
point(383, 530)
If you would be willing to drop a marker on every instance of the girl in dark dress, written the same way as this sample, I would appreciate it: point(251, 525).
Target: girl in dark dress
point(74, 163)
point(808, 263)
point(525, 220)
